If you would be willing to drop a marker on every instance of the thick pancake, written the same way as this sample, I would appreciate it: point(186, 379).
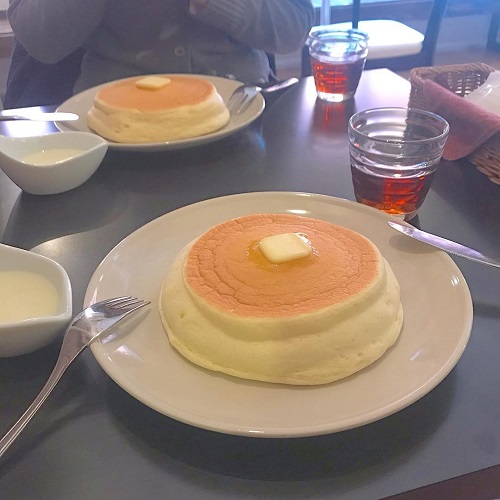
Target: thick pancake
point(184, 108)
point(310, 321)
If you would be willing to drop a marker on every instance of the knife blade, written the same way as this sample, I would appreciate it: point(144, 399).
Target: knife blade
point(444, 244)
point(39, 117)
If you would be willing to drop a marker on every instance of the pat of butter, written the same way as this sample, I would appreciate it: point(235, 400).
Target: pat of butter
point(152, 82)
point(284, 247)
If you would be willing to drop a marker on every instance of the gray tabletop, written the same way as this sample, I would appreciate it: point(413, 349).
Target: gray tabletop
point(92, 439)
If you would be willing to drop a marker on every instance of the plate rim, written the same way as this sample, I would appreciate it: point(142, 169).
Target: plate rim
point(251, 114)
point(303, 430)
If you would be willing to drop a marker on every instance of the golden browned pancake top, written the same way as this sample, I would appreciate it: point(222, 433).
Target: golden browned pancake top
point(226, 268)
point(181, 91)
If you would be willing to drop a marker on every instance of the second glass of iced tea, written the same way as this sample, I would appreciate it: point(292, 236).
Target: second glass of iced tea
point(394, 154)
point(337, 61)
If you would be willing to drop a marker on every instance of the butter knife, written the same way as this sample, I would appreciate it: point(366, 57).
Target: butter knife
point(444, 244)
point(39, 117)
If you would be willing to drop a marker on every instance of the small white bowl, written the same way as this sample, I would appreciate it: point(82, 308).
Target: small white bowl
point(69, 159)
point(28, 335)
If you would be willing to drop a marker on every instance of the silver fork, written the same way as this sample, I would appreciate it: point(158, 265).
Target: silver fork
point(243, 95)
point(86, 327)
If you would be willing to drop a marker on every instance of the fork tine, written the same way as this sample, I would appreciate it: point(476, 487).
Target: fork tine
point(121, 301)
point(236, 92)
point(118, 302)
point(127, 308)
point(133, 306)
point(244, 105)
point(237, 100)
point(115, 300)
point(234, 97)
point(129, 304)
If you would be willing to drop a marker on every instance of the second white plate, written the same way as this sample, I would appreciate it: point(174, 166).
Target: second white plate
point(82, 102)
point(437, 324)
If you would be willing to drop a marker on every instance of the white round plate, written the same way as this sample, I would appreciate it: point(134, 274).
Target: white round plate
point(82, 102)
point(437, 324)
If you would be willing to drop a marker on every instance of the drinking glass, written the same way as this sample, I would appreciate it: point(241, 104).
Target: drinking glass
point(337, 60)
point(394, 153)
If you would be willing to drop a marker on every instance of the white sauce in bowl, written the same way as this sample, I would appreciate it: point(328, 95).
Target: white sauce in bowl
point(51, 156)
point(25, 295)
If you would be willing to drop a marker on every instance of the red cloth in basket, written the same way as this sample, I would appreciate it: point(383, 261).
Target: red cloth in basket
point(470, 125)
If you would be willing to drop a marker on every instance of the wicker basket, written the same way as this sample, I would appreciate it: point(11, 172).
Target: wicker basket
point(461, 79)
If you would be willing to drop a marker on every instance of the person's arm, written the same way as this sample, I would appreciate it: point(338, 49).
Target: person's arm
point(276, 26)
point(50, 30)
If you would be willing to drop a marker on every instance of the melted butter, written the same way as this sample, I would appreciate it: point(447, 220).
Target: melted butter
point(50, 156)
point(285, 247)
point(25, 295)
point(255, 255)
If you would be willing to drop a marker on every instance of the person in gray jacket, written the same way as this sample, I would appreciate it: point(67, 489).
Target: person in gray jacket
point(121, 38)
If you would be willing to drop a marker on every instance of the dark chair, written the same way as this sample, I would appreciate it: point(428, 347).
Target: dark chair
point(393, 44)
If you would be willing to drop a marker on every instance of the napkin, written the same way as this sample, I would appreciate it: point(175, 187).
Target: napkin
point(470, 125)
point(487, 95)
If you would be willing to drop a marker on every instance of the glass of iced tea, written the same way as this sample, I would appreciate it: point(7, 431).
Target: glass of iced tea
point(394, 154)
point(337, 61)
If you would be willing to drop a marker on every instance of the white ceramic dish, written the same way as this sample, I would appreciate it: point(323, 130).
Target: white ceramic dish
point(435, 297)
point(59, 175)
point(22, 337)
point(81, 104)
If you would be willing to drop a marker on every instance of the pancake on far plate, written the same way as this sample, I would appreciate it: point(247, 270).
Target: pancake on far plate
point(157, 108)
point(281, 298)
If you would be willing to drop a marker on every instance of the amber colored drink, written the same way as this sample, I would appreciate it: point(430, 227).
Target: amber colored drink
point(394, 154)
point(337, 79)
point(394, 195)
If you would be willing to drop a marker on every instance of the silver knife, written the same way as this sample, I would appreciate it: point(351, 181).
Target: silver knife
point(444, 244)
point(39, 117)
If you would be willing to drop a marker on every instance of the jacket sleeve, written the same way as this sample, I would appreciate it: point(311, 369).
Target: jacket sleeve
point(276, 26)
point(50, 30)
